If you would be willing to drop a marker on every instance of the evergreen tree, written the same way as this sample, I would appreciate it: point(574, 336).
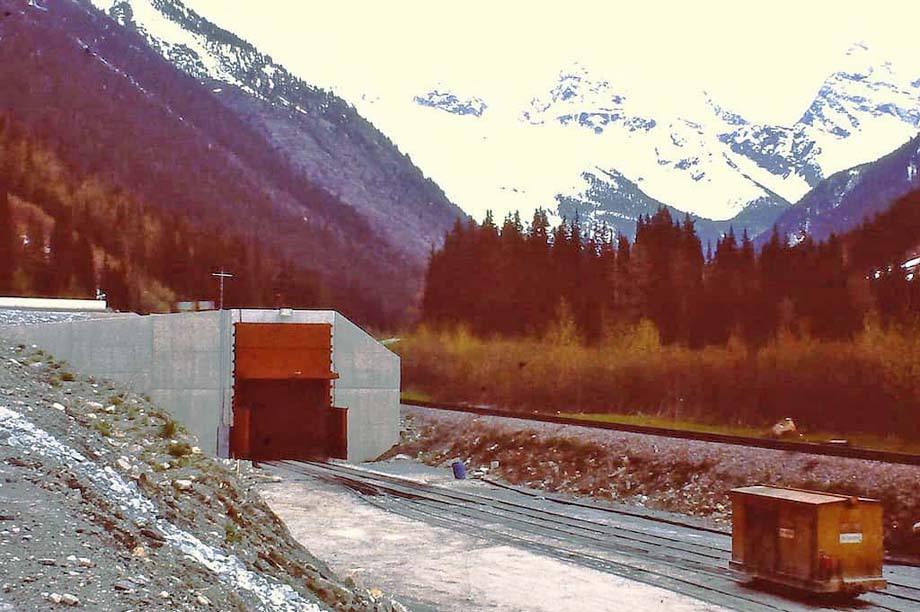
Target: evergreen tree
point(62, 255)
point(84, 268)
point(539, 296)
point(8, 242)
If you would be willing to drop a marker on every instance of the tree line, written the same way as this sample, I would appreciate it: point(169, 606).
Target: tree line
point(517, 280)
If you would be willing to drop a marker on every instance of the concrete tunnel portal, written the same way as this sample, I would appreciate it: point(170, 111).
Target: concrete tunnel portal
point(282, 399)
point(249, 383)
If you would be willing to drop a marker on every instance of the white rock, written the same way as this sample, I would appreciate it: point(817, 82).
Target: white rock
point(58, 406)
point(93, 406)
point(123, 464)
point(182, 485)
point(55, 598)
point(164, 595)
point(70, 600)
point(202, 600)
point(85, 562)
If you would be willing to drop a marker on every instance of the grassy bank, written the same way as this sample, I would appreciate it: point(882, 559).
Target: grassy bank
point(869, 386)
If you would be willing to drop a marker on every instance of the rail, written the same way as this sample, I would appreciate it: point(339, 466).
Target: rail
point(812, 448)
point(665, 553)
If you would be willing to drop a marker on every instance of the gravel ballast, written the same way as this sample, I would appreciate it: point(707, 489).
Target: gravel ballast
point(108, 504)
point(686, 476)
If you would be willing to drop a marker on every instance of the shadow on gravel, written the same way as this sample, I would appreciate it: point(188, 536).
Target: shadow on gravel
point(822, 601)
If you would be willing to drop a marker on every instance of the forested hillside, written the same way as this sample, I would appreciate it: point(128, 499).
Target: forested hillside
point(69, 235)
point(112, 110)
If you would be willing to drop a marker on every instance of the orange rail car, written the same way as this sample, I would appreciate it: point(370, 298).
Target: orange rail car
point(819, 542)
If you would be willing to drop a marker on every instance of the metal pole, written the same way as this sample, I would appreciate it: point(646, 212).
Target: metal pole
point(221, 276)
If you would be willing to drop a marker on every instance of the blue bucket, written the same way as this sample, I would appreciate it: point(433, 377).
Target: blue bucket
point(459, 470)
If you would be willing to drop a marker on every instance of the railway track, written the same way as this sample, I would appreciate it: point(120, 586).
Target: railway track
point(661, 552)
point(812, 448)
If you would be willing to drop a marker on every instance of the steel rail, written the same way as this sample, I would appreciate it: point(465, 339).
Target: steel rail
point(811, 448)
point(416, 500)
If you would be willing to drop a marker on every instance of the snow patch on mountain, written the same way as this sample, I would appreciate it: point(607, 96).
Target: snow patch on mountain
point(181, 46)
point(451, 103)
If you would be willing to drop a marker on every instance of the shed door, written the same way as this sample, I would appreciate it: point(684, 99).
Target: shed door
point(280, 351)
point(760, 539)
point(795, 540)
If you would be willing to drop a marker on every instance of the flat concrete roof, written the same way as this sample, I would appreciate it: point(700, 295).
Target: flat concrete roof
point(52, 304)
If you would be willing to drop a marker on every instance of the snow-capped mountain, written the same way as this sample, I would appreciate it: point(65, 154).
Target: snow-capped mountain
point(154, 101)
point(680, 160)
point(564, 144)
point(572, 145)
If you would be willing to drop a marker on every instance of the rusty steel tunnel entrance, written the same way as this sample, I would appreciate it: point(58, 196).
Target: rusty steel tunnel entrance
point(282, 393)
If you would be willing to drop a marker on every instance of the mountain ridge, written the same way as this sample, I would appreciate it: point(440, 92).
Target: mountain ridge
point(850, 197)
point(318, 133)
point(707, 159)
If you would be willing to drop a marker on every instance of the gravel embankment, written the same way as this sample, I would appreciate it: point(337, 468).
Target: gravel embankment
point(106, 504)
point(684, 476)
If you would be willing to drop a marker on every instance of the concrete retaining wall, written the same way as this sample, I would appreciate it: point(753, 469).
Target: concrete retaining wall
point(184, 362)
point(176, 359)
point(368, 386)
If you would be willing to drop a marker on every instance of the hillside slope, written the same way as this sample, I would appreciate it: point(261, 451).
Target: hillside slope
point(112, 107)
point(318, 134)
point(108, 505)
point(843, 200)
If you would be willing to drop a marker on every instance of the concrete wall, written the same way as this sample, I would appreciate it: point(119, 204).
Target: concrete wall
point(368, 386)
point(178, 359)
point(184, 362)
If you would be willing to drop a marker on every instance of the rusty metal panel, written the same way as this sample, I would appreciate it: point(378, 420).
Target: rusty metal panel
point(822, 542)
point(282, 351)
point(853, 534)
point(795, 537)
point(239, 432)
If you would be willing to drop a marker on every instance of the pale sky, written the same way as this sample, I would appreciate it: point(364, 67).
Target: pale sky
point(765, 59)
